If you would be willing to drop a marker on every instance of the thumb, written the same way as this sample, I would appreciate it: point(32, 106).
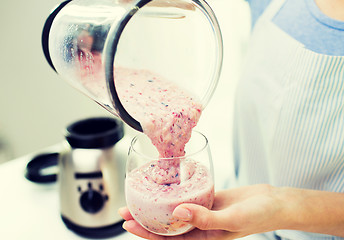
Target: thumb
point(198, 216)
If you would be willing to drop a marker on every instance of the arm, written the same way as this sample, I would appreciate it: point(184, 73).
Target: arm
point(315, 211)
point(255, 209)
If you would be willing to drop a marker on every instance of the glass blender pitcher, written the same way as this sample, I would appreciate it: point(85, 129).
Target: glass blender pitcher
point(85, 41)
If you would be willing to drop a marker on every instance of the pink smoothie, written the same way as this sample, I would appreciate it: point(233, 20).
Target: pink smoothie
point(167, 114)
point(152, 203)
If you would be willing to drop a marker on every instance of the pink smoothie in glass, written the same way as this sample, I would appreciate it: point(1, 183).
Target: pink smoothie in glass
point(167, 115)
point(152, 203)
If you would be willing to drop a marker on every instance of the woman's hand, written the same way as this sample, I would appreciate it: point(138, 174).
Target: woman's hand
point(255, 209)
point(236, 213)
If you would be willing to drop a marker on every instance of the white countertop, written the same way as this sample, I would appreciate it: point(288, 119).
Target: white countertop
point(29, 210)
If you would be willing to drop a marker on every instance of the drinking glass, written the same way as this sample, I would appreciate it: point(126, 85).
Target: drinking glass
point(155, 186)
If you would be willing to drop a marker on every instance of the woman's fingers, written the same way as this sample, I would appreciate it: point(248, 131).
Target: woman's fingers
point(135, 228)
point(201, 217)
point(125, 214)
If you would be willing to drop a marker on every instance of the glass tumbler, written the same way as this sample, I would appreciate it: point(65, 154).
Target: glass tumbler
point(155, 186)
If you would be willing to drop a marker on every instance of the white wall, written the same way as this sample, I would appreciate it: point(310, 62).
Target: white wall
point(35, 104)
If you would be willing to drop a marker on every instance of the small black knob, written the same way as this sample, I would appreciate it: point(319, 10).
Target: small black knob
point(92, 201)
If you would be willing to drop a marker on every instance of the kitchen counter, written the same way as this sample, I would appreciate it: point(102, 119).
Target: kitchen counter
point(29, 210)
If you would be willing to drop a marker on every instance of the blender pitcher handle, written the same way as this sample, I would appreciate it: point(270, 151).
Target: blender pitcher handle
point(46, 31)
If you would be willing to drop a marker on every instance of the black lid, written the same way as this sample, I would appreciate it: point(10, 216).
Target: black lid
point(101, 132)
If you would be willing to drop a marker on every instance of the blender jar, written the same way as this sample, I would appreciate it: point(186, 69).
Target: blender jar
point(85, 41)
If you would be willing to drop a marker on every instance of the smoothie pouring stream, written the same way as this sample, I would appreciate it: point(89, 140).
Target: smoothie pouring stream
point(167, 114)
